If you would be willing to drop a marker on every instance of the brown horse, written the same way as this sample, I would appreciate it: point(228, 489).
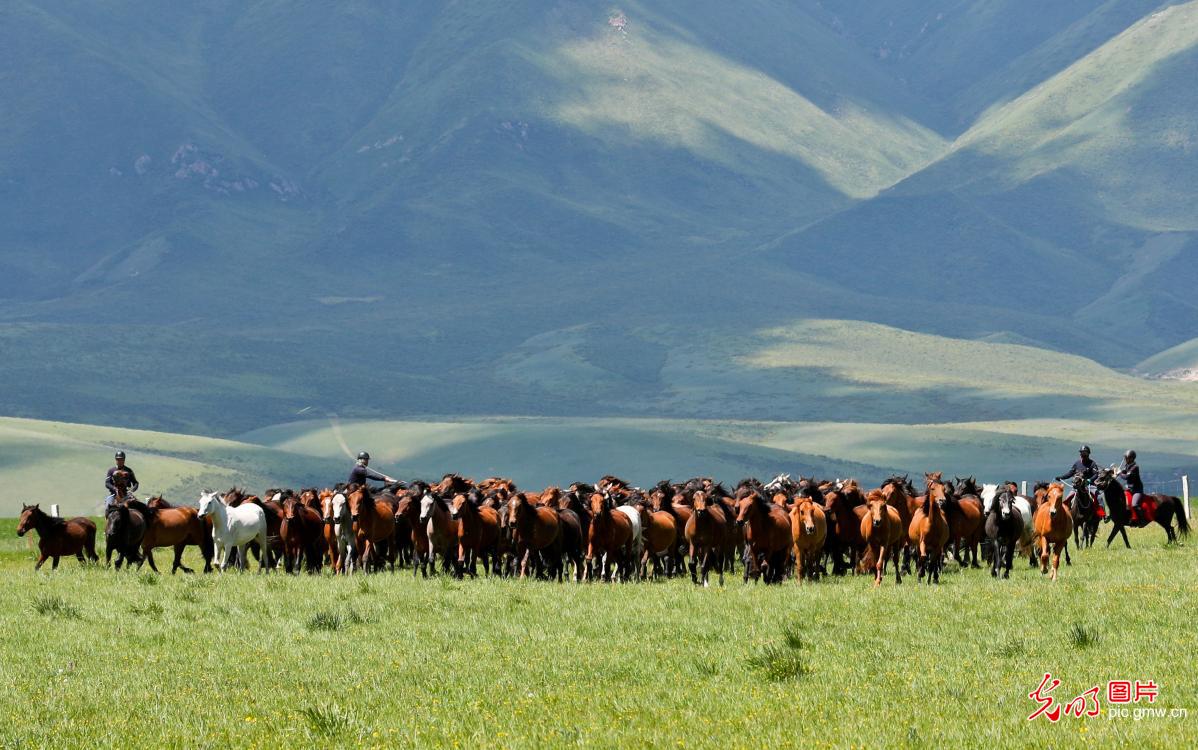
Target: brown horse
point(407, 516)
point(882, 531)
point(302, 532)
point(664, 499)
point(706, 534)
point(965, 520)
point(844, 511)
point(440, 527)
point(1054, 525)
point(894, 490)
point(928, 532)
point(610, 538)
point(178, 527)
point(808, 530)
point(374, 525)
point(767, 535)
point(58, 537)
point(536, 531)
point(478, 535)
point(329, 528)
point(660, 533)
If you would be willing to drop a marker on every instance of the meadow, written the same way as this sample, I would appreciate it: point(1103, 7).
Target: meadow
point(99, 658)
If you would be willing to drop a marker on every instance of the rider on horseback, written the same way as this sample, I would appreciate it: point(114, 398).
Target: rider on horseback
point(362, 472)
point(110, 480)
point(1088, 469)
point(1129, 472)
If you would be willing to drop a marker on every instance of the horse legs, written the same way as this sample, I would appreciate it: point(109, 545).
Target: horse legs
point(1066, 548)
point(1009, 551)
point(1056, 558)
point(149, 555)
point(54, 565)
point(1043, 555)
point(1123, 531)
point(995, 554)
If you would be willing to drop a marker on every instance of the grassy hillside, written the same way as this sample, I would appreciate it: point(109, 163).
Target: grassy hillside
point(1180, 358)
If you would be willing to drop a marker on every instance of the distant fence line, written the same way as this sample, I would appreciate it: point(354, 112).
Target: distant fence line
point(1167, 487)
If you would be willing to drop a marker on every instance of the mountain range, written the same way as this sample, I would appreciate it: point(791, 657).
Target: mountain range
point(215, 217)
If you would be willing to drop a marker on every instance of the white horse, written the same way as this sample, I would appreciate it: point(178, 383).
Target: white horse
point(343, 528)
point(1023, 505)
point(234, 527)
point(638, 541)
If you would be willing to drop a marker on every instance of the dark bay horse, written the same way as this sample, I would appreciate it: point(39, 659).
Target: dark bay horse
point(478, 534)
point(302, 533)
point(58, 537)
point(1160, 509)
point(124, 530)
point(1085, 510)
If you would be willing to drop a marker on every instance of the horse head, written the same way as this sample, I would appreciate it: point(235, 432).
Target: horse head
point(455, 506)
point(426, 506)
point(208, 502)
point(806, 512)
point(29, 518)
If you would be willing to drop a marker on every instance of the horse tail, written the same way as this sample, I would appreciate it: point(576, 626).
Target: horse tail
point(1183, 526)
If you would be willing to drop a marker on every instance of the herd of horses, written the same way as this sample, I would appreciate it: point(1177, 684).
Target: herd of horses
point(613, 531)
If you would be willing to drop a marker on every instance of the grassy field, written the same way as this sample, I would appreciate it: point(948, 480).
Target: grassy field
point(98, 658)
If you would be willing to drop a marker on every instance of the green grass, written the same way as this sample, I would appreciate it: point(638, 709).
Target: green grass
point(235, 659)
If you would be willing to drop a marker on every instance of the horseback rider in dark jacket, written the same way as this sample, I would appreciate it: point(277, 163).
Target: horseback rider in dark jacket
point(1130, 474)
point(362, 472)
point(110, 482)
point(1088, 469)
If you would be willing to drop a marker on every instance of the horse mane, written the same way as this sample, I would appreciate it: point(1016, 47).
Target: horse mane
point(1040, 486)
point(146, 511)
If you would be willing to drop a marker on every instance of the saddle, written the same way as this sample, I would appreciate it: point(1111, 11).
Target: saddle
point(1142, 515)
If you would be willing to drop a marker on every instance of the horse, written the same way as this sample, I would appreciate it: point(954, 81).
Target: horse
point(1004, 529)
point(1026, 508)
point(882, 531)
point(662, 500)
point(928, 531)
point(440, 527)
point(1160, 509)
point(767, 535)
point(302, 532)
point(339, 518)
point(407, 515)
point(235, 528)
point(1086, 513)
point(808, 530)
point(535, 530)
point(965, 520)
point(168, 526)
point(124, 530)
point(57, 537)
point(573, 540)
point(706, 532)
point(478, 535)
point(1054, 524)
point(894, 489)
point(374, 525)
point(660, 532)
point(844, 512)
point(610, 537)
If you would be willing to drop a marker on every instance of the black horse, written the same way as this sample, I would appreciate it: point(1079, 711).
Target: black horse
point(1159, 508)
point(1085, 514)
point(124, 530)
point(1004, 525)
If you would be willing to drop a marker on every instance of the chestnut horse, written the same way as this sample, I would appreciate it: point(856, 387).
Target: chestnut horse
point(808, 530)
point(965, 520)
point(767, 535)
point(895, 491)
point(610, 538)
point(535, 531)
point(374, 526)
point(706, 534)
point(440, 528)
point(58, 537)
point(178, 527)
point(1054, 524)
point(928, 531)
point(660, 532)
point(882, 532)
point(478, 534)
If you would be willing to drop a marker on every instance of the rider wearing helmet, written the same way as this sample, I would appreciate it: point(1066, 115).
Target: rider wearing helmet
point(110, 484)
point(1088, 469)
point(1130, 474)
point(362, 471)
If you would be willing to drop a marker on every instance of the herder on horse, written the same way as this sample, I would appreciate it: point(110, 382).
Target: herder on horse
point(1088, 469)
point(119, 481)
